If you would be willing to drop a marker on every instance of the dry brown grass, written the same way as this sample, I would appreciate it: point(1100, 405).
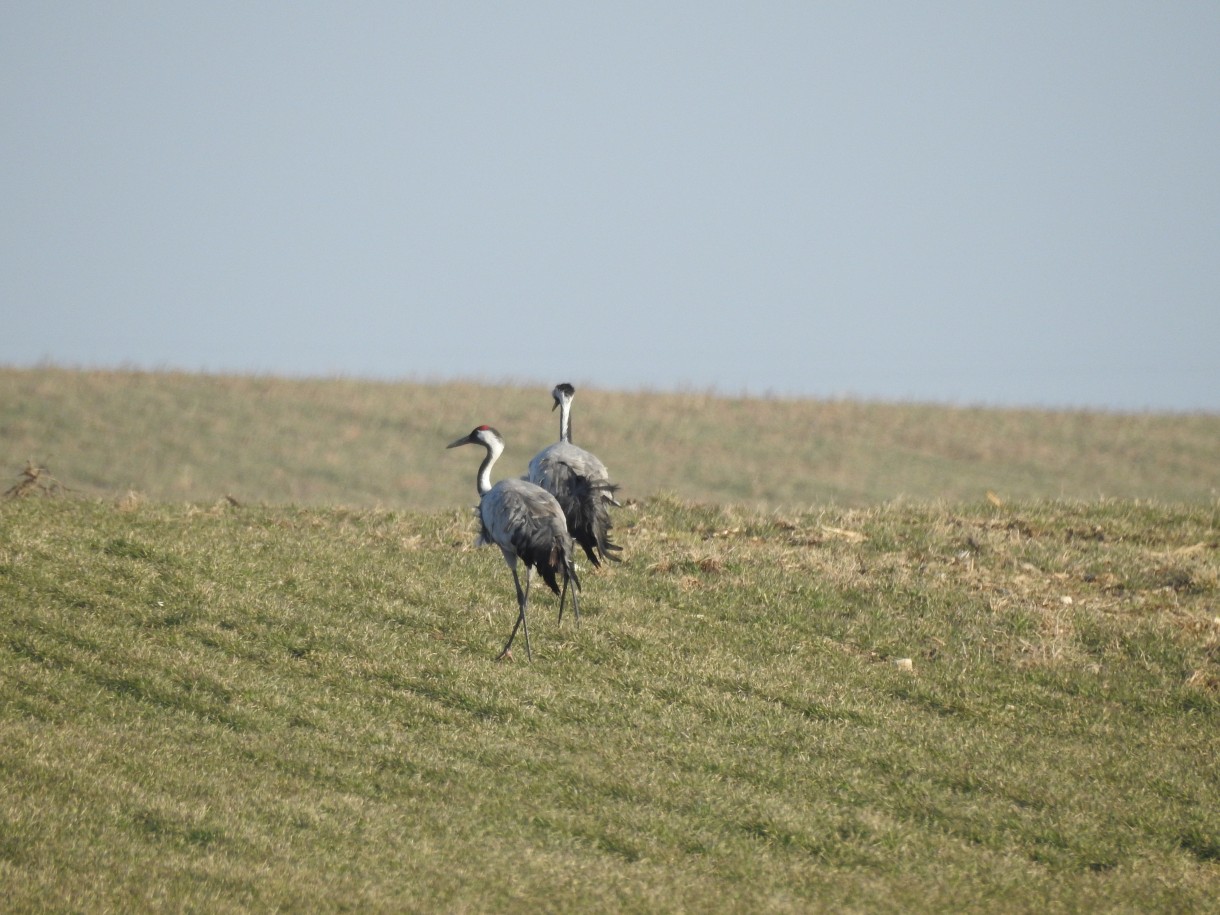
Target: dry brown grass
point(173, 436)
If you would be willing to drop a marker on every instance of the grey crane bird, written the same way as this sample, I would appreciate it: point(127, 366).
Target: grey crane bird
point(525, 522)
point(580, 482)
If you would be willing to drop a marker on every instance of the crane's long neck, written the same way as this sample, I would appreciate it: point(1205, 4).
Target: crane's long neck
point(494, 449)
point(565, 419)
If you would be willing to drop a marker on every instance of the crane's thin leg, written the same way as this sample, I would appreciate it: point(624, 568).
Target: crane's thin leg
point(575, 605)
point(563, 594)
point(525, 627)
point(522, 599)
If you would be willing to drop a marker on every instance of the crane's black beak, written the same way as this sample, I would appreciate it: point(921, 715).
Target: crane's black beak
point(464, 440)
point(555, 404)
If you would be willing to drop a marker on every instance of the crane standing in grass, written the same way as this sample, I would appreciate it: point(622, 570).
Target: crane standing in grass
point(525, 522)
point(580, 482)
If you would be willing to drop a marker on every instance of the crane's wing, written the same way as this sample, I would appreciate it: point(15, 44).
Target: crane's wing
point(580, 483)
point(578, 459)
point(527, 521)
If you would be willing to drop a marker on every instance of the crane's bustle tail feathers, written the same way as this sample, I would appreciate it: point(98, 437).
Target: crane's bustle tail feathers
point(588, 518)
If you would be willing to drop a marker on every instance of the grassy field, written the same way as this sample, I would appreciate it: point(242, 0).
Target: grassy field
point(786, 698)
point(918, 708)
point(175, 437)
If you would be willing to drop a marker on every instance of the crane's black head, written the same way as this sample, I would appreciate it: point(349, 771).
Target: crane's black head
point(480, 435)
point(561, 391)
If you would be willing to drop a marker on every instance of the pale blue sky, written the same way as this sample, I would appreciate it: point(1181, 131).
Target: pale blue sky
point(968, 202)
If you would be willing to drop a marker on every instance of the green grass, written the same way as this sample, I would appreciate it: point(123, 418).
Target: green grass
point(213, 707)
point(177, 437)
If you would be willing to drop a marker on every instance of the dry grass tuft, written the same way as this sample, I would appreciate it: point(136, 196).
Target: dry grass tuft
point(36, 479)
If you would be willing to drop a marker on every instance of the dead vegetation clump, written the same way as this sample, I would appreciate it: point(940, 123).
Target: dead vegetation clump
point(35, 480)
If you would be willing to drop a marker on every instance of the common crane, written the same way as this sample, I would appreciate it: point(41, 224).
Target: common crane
point(525, 522)
point(580, 482)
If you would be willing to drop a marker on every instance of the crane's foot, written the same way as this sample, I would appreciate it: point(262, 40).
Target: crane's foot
point(524, 626)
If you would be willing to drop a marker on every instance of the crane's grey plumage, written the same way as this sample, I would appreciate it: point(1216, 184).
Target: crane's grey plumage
point(525, 522)
point(580, 482)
